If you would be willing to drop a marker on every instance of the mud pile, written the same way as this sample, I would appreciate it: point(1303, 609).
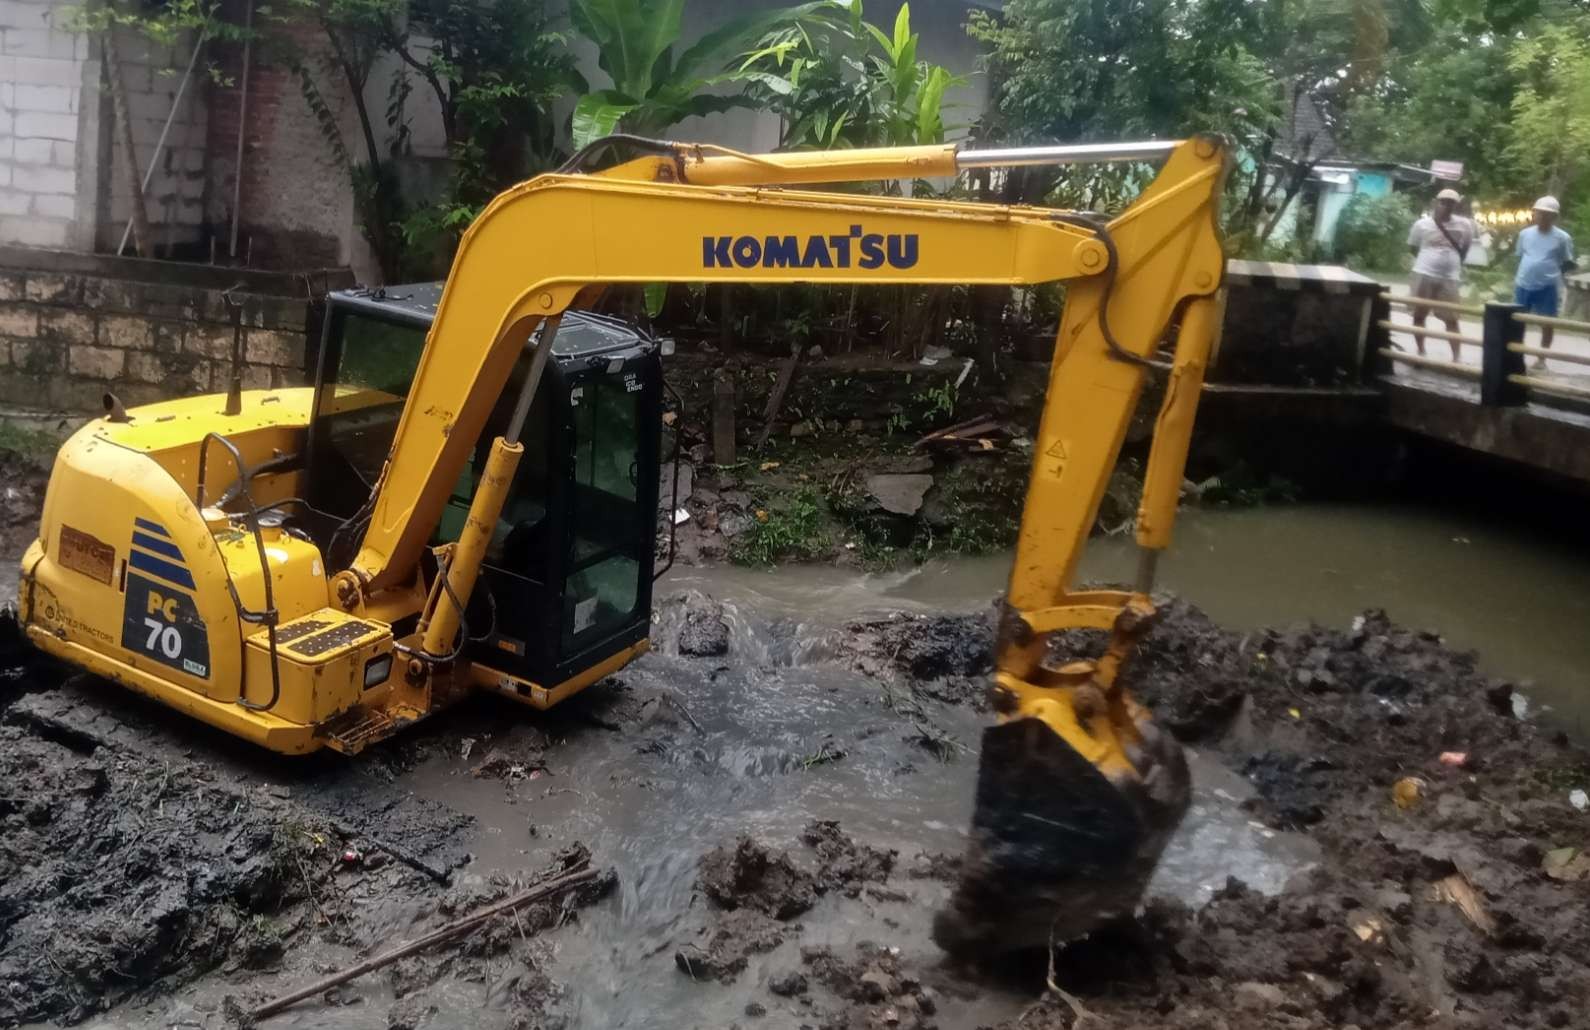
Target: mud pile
point(117, 871)
point(757, 891)
point(1455, 876)
point(130, 867)
point(21, 499)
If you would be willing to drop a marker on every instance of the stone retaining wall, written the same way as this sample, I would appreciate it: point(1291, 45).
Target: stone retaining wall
point(85, 325)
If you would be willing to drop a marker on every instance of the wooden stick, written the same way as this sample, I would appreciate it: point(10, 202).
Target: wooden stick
point(775, 400)
point(408, 858)
point(469, 922)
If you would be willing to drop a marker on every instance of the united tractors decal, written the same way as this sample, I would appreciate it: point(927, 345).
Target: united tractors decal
point(856, 249)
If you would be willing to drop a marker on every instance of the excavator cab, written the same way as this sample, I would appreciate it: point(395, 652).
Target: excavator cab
point(566, 581)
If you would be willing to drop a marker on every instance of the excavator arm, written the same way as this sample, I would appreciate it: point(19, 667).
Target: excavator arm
point(1077, 791)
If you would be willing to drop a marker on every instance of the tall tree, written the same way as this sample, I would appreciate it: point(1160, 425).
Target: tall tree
point(1551, 108)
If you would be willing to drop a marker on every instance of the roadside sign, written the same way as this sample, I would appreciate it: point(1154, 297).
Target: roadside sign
point(1451, 170)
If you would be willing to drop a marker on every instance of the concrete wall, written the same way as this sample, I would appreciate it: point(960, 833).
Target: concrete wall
point(63, 181)
point(73, 327)
point(296, 205)
point(63, 176)
point(151, 76)
point(44, 73)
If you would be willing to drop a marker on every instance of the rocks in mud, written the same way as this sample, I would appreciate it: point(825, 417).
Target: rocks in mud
point(884, 993)
point(1291, 787)
point(922, 647)
point(705, 634)
point(749, 875)
point(723, 950)
point(691, 623)
point(500, 764)
point(760, 889)
point(843, 865)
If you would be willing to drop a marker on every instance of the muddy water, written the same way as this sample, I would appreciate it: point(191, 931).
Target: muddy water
point(751, 764)
point(1516, 594)
point(741, 747)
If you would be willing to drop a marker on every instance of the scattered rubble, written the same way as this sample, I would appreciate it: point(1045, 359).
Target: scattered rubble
point(749, 875)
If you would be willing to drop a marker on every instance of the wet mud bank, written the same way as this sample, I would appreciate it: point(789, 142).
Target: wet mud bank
point(1452, 883)
point(1382, 836)
point(154, 874)
point(140, 857)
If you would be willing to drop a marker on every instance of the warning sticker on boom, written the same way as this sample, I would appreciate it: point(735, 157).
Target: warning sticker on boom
point(164, 624)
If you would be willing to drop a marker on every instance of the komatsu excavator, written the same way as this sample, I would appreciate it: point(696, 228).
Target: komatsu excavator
point(466, 497)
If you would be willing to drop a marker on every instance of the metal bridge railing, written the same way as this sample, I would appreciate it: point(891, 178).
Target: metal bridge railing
point(1500, 373)
point(1390, 353)
point(1519, 383)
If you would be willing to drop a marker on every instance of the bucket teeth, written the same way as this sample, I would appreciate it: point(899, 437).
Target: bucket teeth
point(1057, 849)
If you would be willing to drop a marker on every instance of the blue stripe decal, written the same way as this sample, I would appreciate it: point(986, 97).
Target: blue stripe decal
point(152, 527)
point(160, 567)
point(165, 547)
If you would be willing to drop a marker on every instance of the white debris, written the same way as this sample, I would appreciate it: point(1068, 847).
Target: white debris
point(1579, 799)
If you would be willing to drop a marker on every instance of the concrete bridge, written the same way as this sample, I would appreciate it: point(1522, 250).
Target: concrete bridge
point(1328, 346)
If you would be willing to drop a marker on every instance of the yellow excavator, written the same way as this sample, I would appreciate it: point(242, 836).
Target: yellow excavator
point(466, 497)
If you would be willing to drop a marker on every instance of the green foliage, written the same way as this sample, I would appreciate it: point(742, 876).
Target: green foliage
point(166, 24)
point(652, 88)
point(1503, 86)
point(1551, 107)
point(1372, 234)
point(37, 444)
point(843, 82)
point(495, 68)
point(1449, 101)
point(1175, 66)
point(789, 527)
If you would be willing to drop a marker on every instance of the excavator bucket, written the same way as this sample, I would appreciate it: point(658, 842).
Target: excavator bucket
point(1058, 849)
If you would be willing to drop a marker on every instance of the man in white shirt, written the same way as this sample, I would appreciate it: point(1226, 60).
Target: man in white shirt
point(1440, 241)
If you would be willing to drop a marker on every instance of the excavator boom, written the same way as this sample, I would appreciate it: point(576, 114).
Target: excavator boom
point(1078, 791)
point(203, 596)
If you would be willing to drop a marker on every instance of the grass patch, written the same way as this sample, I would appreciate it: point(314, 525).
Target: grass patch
point(786, 527)
point(38, 444)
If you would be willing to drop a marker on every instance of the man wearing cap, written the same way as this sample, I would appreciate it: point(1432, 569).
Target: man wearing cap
point(1545, 252)
point(1440, 241)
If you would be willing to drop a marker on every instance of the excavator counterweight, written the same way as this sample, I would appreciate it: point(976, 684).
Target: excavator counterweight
point(465, 499)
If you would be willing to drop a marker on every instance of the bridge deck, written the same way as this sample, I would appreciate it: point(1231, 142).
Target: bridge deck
point(1550, 438)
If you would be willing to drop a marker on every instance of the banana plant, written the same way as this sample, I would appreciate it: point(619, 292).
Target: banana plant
point(654, 87)
point(842, 81)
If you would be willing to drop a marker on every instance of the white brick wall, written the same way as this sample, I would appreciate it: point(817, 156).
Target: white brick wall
point(63, 175)
point(41, 83)
point(175, 198)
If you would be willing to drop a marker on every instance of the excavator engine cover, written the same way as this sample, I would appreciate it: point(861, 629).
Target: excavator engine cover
point(1056, 847)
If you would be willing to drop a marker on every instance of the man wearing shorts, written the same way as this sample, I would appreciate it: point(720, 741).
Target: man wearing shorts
point(1544, 253)
point(1440, 241)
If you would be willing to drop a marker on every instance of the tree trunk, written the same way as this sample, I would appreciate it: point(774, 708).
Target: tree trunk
point(118, 101)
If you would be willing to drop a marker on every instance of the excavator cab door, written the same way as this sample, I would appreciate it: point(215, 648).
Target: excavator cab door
point(567, 578)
